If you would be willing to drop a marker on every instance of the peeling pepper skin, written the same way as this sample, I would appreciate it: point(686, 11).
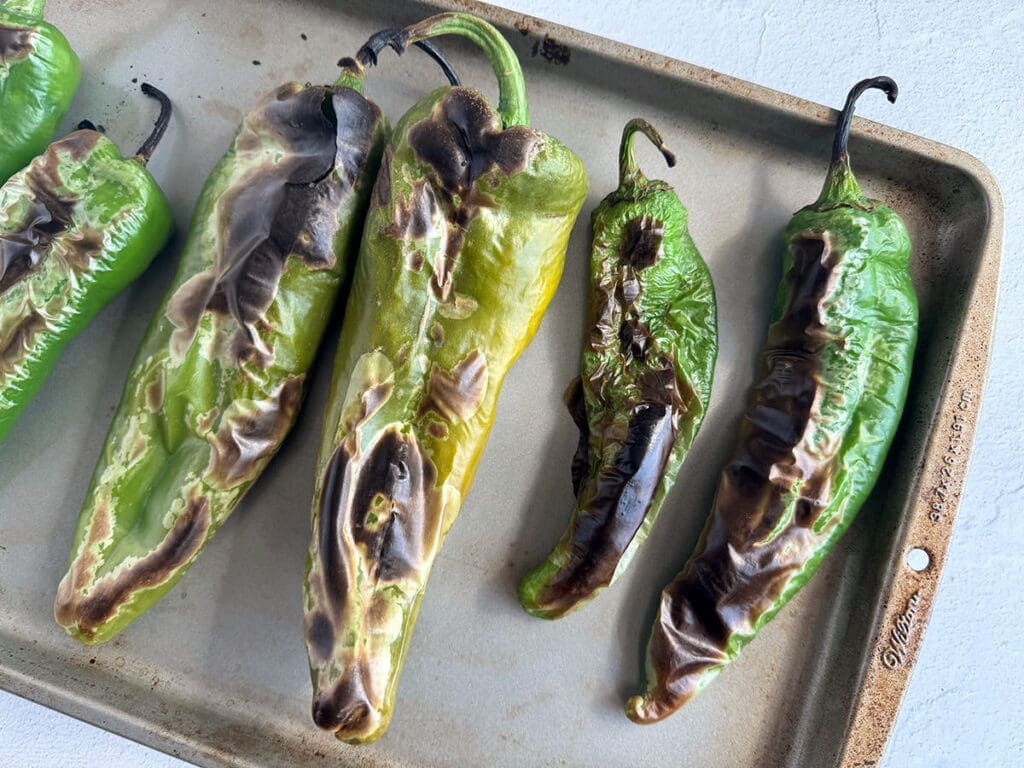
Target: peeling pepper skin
point(832, 385)
point(39, 75)
point(646, 381)
point(463, 249)
point(77, 226)
point(219, 377)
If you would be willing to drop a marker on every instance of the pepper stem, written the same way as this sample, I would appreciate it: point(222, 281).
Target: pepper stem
point(381, 40)
point(150, 144)
point(629, 171)
point(31, 8)
point(512, 104)
point(840, 184)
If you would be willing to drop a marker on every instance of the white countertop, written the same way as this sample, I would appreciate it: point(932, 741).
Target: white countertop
point(960, 73)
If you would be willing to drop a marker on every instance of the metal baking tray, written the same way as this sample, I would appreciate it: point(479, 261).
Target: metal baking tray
point(216, 673)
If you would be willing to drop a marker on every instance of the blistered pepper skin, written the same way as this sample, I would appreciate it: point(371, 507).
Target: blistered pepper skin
point(647, 371)
point(831, 388)
point(39, 74)
point(463, 249)
point(219, 377)
point(77, 226)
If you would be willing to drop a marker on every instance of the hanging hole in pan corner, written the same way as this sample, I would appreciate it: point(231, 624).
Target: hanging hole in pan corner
point(918, 559)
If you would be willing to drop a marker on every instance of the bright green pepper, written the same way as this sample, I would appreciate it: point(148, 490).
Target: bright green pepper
point(77, 226)
point(832, 385)
point(463, 249)
point(39, 74)
point(647, 369)
point(219, 377)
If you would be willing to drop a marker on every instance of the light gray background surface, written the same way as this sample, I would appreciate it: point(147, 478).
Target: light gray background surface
point(960, 73)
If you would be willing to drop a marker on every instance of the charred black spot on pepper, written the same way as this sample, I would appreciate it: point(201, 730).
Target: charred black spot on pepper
point(50, 215)
point(15, 348)
point(634, 339)
point(181, 543)
point(746, 563)
point(641, 242)
point(576, 404)
point(245, 441)
point(281, 208)
point(613, 508)
point(15, 43)
point(346, 705)
point(460, 141)
point(320, 636)
point(414, 215)
point(395, 468)
point(457, 394)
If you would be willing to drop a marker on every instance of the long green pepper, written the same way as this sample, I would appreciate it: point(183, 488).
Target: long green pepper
point(77, 226)
point(219, 377)
point(463, 249)
point(646, 381)
point(39, 74)
point(832, 385)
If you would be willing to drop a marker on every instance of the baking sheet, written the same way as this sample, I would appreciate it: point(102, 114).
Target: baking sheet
point(216, 673)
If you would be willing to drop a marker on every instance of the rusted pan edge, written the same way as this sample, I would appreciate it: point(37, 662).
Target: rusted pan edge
point(906, 602)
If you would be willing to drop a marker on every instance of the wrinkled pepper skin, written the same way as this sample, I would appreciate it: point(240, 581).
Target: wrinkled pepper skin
point(77, 226)
point(647, 371)
point(831, 387)
point(463, 249)
point(219, 377)
point(39, 75)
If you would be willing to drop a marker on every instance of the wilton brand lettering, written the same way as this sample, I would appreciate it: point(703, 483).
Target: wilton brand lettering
point(895, 653)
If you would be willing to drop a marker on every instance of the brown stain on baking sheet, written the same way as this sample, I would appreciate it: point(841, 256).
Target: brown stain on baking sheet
point(105, 597)
point(246, 440)
point(745, 562)
point(551, 51)
point(278, 209)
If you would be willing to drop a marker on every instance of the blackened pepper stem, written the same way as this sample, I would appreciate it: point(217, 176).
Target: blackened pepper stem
point(30, 8)
point(887, 84)
point(381, 40)
point(841, 187)
point(512, 105)
point(629, 171)
point(159, 127)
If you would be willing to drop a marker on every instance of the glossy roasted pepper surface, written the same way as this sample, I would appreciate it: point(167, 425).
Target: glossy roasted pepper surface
point(77, 226)
point(463, 249)
point(219, 377)
point(832, 384)
point(646, 381)
point(39, 74)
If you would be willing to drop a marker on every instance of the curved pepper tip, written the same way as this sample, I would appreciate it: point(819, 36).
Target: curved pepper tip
point(643, 710)
point(354, 722)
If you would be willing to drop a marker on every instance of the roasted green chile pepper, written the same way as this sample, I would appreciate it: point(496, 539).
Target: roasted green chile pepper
point(463, 249)
point(646, 381)
point(39, 74)
point(219, 377)
point(832, 384)
point(77, 226)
